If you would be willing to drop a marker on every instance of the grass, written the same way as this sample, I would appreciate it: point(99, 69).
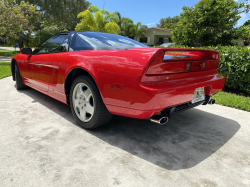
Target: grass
point(233, 100)
point(5, 45)
point(9, 53)
point(5, 70)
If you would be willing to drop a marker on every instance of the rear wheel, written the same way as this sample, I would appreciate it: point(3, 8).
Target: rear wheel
point(86, 104)
point(19, 80)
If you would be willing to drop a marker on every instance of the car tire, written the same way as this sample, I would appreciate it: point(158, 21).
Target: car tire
point(86, 104)
point(19, 80)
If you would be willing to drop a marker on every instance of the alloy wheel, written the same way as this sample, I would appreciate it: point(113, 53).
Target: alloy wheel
point(83, 102)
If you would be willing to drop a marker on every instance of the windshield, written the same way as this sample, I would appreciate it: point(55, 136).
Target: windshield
point(103, 41)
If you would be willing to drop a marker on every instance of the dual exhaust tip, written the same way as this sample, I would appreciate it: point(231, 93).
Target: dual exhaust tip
point(162, 120)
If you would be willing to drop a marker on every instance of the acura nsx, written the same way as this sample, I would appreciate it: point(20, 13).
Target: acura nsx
point(99, 75)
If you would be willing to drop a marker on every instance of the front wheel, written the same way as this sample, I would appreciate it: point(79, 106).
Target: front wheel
point(19, 80)
point(86, 104)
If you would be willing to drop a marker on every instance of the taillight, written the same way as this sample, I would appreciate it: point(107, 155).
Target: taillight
point(212, 64)
point(180, 62)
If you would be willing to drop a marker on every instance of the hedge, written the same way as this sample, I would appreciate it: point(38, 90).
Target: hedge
point(234, 65)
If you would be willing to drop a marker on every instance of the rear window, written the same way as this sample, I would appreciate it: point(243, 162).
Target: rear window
point(102, 41)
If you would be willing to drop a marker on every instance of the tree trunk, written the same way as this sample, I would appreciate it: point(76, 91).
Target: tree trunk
point(20, 42)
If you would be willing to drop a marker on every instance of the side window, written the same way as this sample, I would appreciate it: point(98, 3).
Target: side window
point(52, 45)
point(71, 41)
point(79, 43)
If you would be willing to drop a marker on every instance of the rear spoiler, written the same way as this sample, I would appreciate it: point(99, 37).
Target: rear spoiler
point(175, 60)
point(176, 53)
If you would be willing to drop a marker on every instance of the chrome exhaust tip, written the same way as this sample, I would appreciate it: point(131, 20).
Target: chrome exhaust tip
point(211, 102)
point(162, 121)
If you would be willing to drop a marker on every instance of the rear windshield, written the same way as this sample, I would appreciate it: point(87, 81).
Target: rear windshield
point(102, 41)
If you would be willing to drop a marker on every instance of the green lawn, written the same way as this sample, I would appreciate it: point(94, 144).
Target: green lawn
point(9, 53)
point(5, 45)
point(5, 70)
point(233, 100)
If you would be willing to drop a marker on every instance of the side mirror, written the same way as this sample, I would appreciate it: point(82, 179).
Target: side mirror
point(26, 50)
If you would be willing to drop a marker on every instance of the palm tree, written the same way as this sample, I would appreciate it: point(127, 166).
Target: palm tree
point(137, 30)
point(119, 18)
point(127, 24)
point(102, 21)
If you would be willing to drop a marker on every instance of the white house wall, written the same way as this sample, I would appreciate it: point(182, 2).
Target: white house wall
point(154, 36)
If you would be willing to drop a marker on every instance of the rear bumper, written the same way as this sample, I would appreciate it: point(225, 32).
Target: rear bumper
point(185, 106)
point(149, 99)
point(143, 114)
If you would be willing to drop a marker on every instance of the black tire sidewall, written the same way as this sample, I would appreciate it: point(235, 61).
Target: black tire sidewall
point(16, 72)
point(97, 101)
point(19, 80)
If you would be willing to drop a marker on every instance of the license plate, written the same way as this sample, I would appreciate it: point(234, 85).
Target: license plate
point(199, 95)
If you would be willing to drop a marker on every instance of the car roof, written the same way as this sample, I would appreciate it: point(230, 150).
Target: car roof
point(67, 32)
point(64, 32)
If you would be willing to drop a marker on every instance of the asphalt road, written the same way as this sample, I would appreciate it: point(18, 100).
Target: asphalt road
point(10, 48)
point(5, 59)
point(41, 145)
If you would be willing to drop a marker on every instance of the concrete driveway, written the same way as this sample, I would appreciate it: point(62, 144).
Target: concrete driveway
point(41, 145)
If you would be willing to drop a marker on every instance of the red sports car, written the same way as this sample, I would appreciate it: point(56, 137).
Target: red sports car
point(100, 74)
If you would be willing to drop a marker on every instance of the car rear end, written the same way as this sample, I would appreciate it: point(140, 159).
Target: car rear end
point(175, 80)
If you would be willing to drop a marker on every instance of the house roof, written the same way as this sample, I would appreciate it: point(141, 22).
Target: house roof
point(160, 29)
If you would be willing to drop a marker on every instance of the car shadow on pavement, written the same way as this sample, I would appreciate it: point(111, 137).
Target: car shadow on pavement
point(189, 138)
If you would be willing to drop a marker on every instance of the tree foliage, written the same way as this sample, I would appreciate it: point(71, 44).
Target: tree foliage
point(137, 30)
point(168, 23)
point(95, 19)
point(16, 18)
point(247, 8)
point(247, 23)
point(119, 16)
point(62, 14)
point(98, 20)
point(32, 21)
point(209, 22)
point(127, 24)
point(34, 39)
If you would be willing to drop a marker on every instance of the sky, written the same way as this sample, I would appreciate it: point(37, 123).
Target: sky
point(149, 12)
